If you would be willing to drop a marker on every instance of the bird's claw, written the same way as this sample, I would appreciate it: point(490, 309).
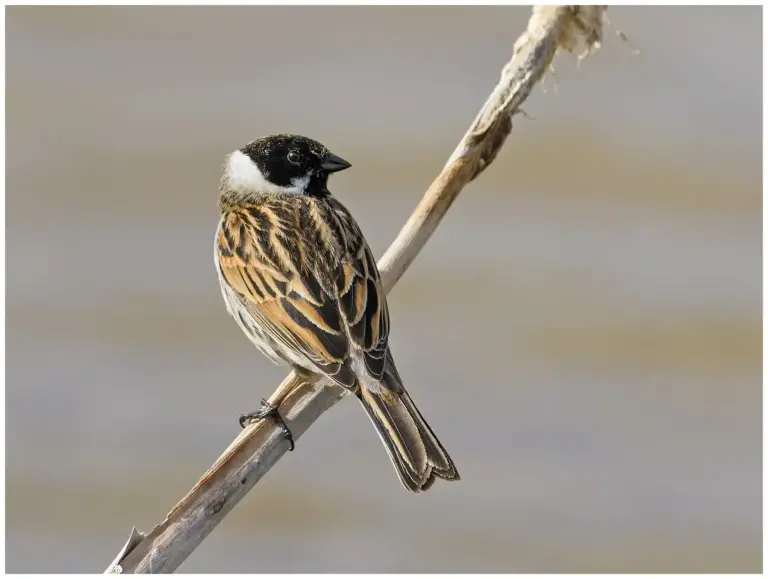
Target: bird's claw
point(268, 410)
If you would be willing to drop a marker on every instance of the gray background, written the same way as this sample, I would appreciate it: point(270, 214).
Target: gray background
point(583, 331)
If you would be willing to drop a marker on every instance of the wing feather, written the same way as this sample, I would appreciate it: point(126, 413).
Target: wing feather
point(314, 289)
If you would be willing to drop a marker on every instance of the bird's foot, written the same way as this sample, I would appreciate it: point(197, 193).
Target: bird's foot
point(268, 410)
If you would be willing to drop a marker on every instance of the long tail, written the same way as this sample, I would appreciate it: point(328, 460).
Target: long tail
point(414, 449)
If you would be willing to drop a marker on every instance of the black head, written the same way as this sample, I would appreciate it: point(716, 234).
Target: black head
point(287, 164)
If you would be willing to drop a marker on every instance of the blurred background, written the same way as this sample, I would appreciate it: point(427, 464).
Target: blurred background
point(583, 331)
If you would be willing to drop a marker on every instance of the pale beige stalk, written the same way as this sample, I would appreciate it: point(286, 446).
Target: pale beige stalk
point(259, 446)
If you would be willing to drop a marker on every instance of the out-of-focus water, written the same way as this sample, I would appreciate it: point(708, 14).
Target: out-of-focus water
point(583, 331)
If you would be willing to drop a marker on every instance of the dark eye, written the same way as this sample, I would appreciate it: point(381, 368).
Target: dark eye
point(294, 156)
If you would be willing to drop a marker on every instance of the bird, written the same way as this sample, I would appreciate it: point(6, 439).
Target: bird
point(300, 280)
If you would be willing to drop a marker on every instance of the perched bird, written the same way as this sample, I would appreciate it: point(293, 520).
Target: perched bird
point(299, 279)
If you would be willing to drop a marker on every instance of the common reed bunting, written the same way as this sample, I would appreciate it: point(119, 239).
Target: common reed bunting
point(299, 279)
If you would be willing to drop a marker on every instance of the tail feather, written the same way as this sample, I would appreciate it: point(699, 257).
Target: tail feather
point(415, 451)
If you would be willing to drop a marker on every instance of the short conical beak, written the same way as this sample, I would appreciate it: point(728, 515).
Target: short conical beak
point(333, 163)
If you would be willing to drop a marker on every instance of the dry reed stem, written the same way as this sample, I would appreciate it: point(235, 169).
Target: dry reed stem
point(260, 445)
